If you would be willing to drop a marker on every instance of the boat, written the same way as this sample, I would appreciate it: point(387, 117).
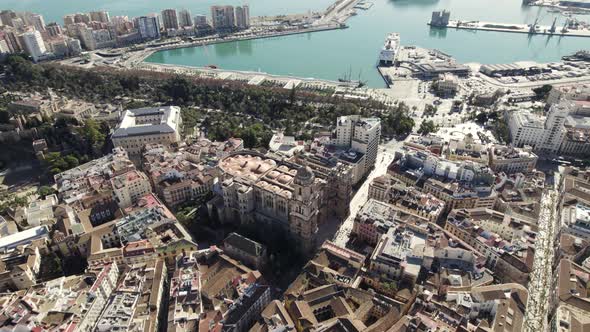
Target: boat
point(390, 50)
point(349, 81)
point(212, 67)
point(578, 56)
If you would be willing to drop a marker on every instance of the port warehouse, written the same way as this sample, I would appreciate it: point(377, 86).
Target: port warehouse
point(435, 69)
point(575, 3)
point(521, 68)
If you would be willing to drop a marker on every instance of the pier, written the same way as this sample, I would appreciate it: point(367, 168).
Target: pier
point(514, 28)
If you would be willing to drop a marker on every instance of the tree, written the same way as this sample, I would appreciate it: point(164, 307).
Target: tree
point(72, 161)
point(543, 92)
point(56, 163)
point(250, 138)
point(430, 110)
point(45, 191)
point(94, 134)
point(397, 121)
point(426, 127)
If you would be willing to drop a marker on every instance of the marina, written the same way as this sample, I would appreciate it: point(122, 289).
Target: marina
point(358, 46)
point(303, 52)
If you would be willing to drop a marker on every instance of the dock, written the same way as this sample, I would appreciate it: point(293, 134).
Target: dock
point(514, 28)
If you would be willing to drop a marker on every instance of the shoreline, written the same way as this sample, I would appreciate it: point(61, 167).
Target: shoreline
point(236, 39)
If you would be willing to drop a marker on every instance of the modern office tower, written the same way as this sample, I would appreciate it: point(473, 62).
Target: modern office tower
point(100, 16)
point(169, 19)
point(243, 17)
point(149, 27)
point(200, 20)
point(222, 17)
point(184, 18)
point(33, 44)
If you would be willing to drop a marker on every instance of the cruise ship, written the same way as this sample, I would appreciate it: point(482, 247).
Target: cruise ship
point(389, 50)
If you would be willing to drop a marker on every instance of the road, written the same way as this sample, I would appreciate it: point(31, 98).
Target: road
point(384, 158)
point(542, 274)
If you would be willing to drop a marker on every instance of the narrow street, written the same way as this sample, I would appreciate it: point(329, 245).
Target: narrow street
point(542, 274)
point(384, 158)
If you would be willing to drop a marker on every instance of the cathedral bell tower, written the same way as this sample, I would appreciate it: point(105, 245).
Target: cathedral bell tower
point(303, 217)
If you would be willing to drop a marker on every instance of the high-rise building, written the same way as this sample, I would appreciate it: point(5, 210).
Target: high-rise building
point(200, 20)
point(86, 37)
point(6, 16)
point(184, 18)
point(122, 24)
point(37, 21)
point(169, 19)
point(100, 16)
point(10, 35)
point(53, 29)
point(81, 18)
point(69, 20)
point(33, 44)
point(149, 27)
point(74, 46)
point(222, 17)
point(18, 23)
point(361, 135)
point(544, 133)
point(243, 17)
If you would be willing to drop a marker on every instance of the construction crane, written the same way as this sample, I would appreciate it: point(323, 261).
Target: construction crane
point(533, 27)
point(552, 30)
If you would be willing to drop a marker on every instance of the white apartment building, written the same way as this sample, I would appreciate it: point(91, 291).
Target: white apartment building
point(33, 44)
point(222, 17)
point(128, 188)
point(361, 135)
point(544, 133)
point(143, 126)
point(243, 17)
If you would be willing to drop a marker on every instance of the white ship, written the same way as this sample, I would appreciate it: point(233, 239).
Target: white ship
point(389, 50)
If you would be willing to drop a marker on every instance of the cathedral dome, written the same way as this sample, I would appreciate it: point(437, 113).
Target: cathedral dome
point(304, 176)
